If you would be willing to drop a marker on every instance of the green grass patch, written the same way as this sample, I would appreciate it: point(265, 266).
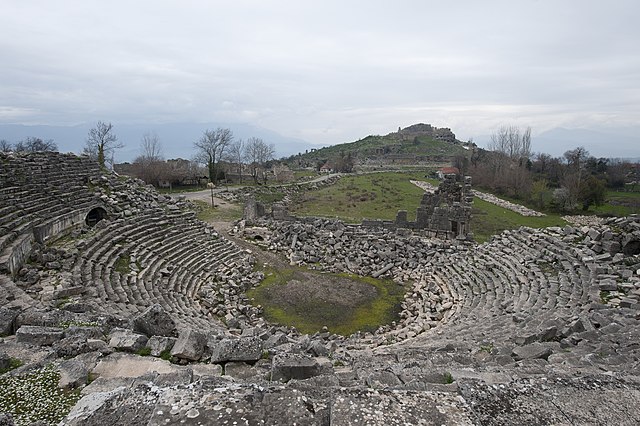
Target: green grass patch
point(618, 203)
point(304, 174)
point(123, 264)
point(269, 197)
point(13, 364)
point(208, 214)
point(488, 219)
point(35, 396)
point(333, 306)
point(369, 196)
point(180, 189)
point(144, 351)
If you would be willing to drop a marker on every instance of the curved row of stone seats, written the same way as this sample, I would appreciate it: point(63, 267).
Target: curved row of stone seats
point(154, 258)
point(504, 287)
point(36, 189)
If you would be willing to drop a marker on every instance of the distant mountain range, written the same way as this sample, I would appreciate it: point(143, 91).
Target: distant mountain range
point(177, 138)
point(600, 142)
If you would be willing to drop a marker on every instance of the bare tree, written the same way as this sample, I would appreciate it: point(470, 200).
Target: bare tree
point(149, 165)
point(5, 146)
point(236, 155)
point(32, 144)
point(211, 148)
point(258, 153)
point(101, 143)
point(510, 141)
point(151, 147)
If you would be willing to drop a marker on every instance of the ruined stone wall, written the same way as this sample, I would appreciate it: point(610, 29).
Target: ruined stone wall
point(446, 213)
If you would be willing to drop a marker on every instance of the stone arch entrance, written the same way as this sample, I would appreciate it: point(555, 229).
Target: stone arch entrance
point(94, 216)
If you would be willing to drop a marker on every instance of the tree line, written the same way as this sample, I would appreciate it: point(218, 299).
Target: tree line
point(30, 144)
point(217, 150)
point(574, 181)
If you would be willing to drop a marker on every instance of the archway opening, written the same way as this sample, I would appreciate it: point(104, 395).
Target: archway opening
point(94, 216)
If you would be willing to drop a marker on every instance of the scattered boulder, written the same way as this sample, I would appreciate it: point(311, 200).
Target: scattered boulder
point(5, 361)
point(38, 335)
point(126, 340)
point(240, 349)
point(289, 366)
point(75, 372)
point(160, 344)
point(154, 321)
point(71, 346)
point(532, 351)
point(190, 345)
point(383, 379)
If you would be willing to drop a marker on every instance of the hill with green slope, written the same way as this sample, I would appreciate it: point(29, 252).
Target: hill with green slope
point(413, 144)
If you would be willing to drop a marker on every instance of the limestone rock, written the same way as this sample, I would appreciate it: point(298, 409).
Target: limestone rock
point(154, 321)
point(532, 351)
point(289, 366)
point(38, 336)
point(75, 372)
point(382, 379)
point(159, 344)
point(240, 349)
point(190, 345)
point(127, 340)
point(7, 321)
point(71, 346)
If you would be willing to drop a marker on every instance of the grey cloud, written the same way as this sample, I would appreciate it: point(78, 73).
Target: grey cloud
point(326, 71)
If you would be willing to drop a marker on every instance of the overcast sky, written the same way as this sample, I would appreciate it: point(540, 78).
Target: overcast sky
point(324, 71)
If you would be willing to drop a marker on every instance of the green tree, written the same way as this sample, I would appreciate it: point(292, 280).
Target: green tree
point(538, 190)
point(592, 192)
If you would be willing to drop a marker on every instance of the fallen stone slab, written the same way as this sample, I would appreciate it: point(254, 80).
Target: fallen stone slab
point(120, 364)
point(126, 340)
point(74, 372)
point(240, 349)
point(289, 366)
point(382, 380)
point(39, 336)
point(531, 351)
point(154, 321)
point(160, 344)
point(190, 345)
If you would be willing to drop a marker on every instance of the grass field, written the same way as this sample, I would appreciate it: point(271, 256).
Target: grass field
point(227, 213)
point(488, 219)
point(618, 203)
point(370, 196)
point(381, 195)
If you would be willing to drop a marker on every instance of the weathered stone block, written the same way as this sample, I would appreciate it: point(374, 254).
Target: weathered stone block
point(289, 366)
point(190, 345)
point(39, 336)
point(382, 379)
point(532, 351)
point(127, 340)
point(154, 321)
point(241, 349)
point(159, 344)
